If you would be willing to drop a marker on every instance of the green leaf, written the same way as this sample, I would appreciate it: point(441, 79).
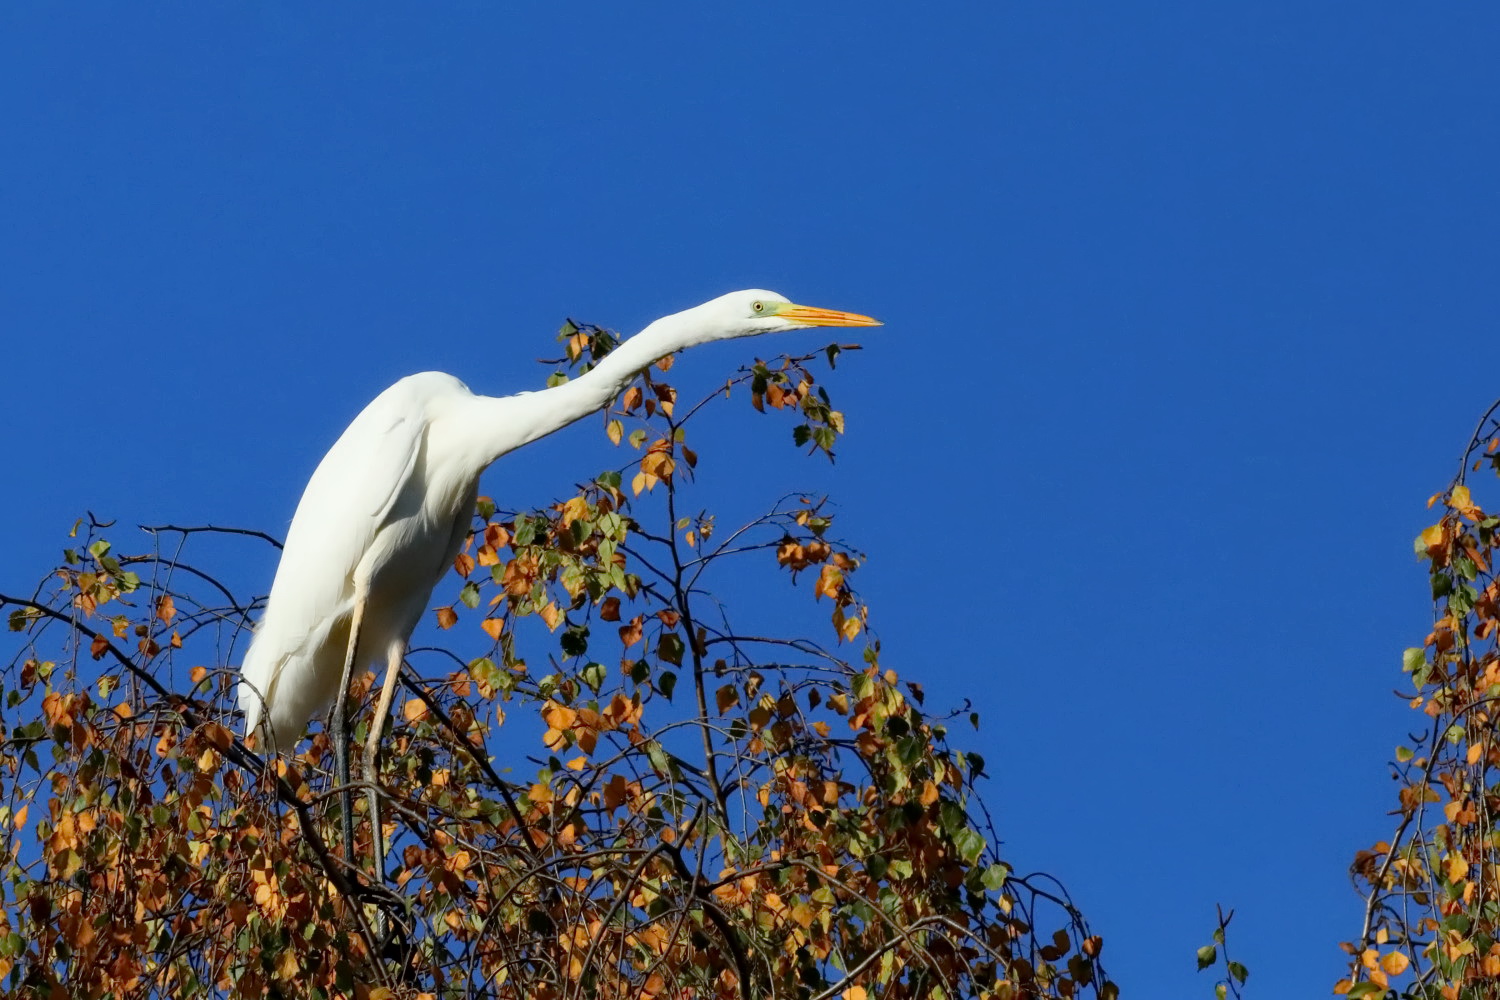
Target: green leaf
point(1413, 658)
point(593, 675)
point(801, 434)
point(575, 642)
point(670, 649)
point(99, 548)
point(969, 843)
point(666, 683)
point(470, 595)
point(1362, 990)
point(1207, 955)
point(1404, 754)
point(1239, 972)
point(994, 877)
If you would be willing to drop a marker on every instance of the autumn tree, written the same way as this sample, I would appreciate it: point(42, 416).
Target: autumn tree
point(601, 785)
point(1431, 923)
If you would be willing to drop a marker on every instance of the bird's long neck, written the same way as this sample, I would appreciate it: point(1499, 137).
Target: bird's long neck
point(514, 421)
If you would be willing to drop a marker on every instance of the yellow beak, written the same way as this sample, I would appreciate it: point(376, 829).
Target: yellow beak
point(813, 316)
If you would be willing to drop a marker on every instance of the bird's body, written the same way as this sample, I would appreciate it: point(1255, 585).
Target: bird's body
point(390, 504)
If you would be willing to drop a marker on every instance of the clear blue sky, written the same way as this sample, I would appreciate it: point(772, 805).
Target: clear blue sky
point(1182, 307)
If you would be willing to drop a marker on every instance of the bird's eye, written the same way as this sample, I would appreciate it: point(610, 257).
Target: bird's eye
point(759, 307)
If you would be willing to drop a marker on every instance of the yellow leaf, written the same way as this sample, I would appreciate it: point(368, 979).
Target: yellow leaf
point(1395, 963)
point(1458, 869)
point(577, 508)
point(829, 581)
point(615, 430)
point(549, 614)
point(414, 709)
point(20, 818)
point(1459, 499)
point(1474, 753)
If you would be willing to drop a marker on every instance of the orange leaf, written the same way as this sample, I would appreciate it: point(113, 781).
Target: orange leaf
point(614, 792)
point(463, 564)
point(166, 609)
point(98, 646)
point(446, 617)
point(1395, 963)
point(549, 614)
point(493, 627)
point(632, 633)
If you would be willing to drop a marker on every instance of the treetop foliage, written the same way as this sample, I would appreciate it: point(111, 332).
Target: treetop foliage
point(600, 785)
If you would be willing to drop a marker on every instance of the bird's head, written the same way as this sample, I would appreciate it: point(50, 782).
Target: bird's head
point(755, 311)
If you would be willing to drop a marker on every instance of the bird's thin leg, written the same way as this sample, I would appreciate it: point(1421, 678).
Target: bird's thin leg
point(394, 655)
point(340, 725)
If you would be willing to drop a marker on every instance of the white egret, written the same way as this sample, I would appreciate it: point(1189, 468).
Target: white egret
point(389, 506)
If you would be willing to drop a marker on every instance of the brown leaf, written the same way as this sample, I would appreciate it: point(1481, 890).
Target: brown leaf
point(166, 609)
point(446, 617)
point(727, 697)
point(610, 610)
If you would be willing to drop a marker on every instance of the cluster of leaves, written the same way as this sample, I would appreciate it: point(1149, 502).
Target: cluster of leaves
point(1432, 889)
point(698, 811)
